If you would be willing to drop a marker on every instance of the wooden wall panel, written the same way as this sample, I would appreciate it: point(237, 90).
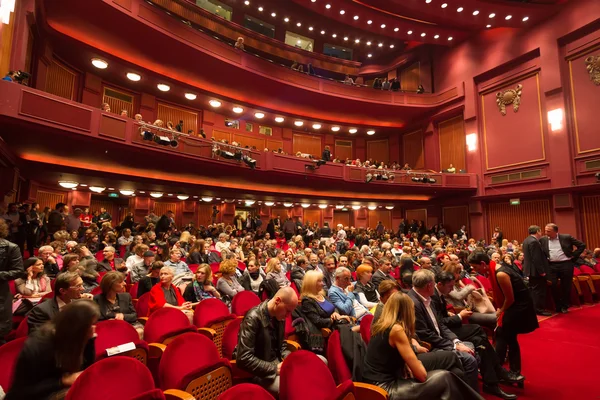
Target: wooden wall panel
point(116, 208)
point(161, 208)
point(119, 100)
point(585, 113)
point(281, 211)
point(308, 144)
point(452, 143)
point(515, 220)
point(414, 153)
point(273, 145)
point(420, 214)
point(60, 80)
point(410, 77)
point(221, 135)
point(49, 199)
point(590, 213)
point(204, 213)
point(244, 141)
point(385, 216)
point(341, 217)
point(378, 150)
point(175, 114)
point(455, 217)
point(343, 149)
point(313, 216)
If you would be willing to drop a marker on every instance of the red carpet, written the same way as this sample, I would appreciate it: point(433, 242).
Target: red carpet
point(561, 360)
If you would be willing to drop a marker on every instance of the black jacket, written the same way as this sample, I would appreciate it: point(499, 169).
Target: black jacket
point(297, 276)
point(425, 328)
point(41, 314)
point(441, 310)
point(11, 268)
point(379, 276)
point(125, 307)
point(326, 156)
point(254, 348)
point(567, 242)
point(145, 285)
point(536, 262)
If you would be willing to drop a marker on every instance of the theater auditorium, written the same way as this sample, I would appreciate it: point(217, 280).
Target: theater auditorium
point(299, 199)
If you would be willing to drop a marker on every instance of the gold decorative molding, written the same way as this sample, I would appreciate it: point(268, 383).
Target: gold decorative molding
point(508, 97)
point(592, 64)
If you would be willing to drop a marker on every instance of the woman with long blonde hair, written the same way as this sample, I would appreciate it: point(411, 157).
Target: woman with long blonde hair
point(392, 364)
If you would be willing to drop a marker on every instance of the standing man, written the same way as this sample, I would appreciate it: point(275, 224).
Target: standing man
point(558, 249)
point(535, 267)
point(11, 268)
point(103, 217)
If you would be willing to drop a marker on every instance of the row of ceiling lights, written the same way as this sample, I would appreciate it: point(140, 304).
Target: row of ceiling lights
point(131, 192)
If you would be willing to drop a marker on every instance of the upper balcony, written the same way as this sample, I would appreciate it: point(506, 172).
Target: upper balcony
point(56, 138)
point(173, 49)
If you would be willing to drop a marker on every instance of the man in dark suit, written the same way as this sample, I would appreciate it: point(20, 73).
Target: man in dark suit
point(558, 249)
point(11, 268)
point(382, 273)
point(68, 287)
point(535, 267)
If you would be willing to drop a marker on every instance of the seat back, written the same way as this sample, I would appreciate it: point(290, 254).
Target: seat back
point(246, 391)
point(243, 302)
point(142, 307)
point(365, 327)
point(193, 267)
point(8, 354)
point(113, 333)
point(106, 377)
point(133, 290)
point(99, 256)
point(166, 323)
point(214, 314)
point(230, 338)
point(22, 329)
point(335, 359)
point(191, 362)
point(303, 366)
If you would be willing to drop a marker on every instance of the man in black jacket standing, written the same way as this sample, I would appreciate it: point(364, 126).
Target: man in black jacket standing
point(11, 268)
point(261, 348)
point(558, 249)
point(535, 267)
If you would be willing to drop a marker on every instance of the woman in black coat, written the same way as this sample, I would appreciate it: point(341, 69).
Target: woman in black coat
point(115, 303)
point(56, 354)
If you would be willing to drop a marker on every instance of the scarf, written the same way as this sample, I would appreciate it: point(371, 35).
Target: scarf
point(254, 275)
point(200, 293)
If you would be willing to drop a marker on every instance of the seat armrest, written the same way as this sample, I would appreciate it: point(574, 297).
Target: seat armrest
point(325, 332)
point(366, 391)
point(239, 374)
point(176, 394)
point(142, 320)
point(292, 346)
point(208, 332)
point(156, 350)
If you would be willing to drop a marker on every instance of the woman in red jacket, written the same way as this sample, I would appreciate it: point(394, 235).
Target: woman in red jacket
point(165, 294)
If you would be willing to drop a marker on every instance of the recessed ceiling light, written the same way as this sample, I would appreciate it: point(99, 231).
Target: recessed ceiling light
point(322, 206)
point(183, 196)
point(391, 46)
point(286, 19)
point(352, 130)
point(127, 192)
point(508, 17)
point(396, 29)
point(380, 45)
point(476, 12)
point(357, 41)
point(310, 28)
point(342, 12)
point(409, 32)
point(314, 1)
point(190, 96)
point(356, 17)
point(345, 38)
point(299, 24)
point(444, 5)
point(247, 3)
point(299, 41)
point(259, 115)
point(492, 15)
point(156, 195)
point(98, 63)
point(163, 88)
point(133, 77)
point(335, 128)
point(279, 119)
point(369, 55)
point(269, 203)
point(298, 123)
point(368, 43)
point(334, 35)
point(207, 199)
point(316, 126)
point(370, 132)
point(423, 34)
point(436, 36)
point(525, 19)
point(450, 38)
point(382, 26)
point(322, 32)
point(488, 26)
point(369, 22)
point(97, 189)
point(273, 14)
point(215, 103)
point(68, 184)
point(328, 6)
point(459, 9)
point(427, 1)
point(238, 110)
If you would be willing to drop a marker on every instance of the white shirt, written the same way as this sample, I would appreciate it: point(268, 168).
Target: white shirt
point(427, 303)
point(133, 260)
point(556, 251)
point(219, 246)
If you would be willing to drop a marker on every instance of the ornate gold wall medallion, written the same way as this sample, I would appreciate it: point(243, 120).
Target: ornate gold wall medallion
point(508, 97)
point(592, 64)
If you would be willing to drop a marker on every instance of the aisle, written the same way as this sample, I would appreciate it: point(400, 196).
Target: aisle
point(561, 360)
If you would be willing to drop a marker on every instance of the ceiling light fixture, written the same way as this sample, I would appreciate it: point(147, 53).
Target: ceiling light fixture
point(298, 123)
point(163, 88)
point(68, 184)
point(342, 12)
point(345, 38)
point(427, 1)
point(322, 32)
point(215, 103)
point(97, 189)
point(436, 37)
point(368, 43)
point(259, 115)
point(273, 14)
point(183, 196)
point(357, 41)
point(370, 132)
point(99, 63)
point(286, 19)
point(279, 119)
point(391, 46)
point(444, 5)
point(190, 96)
point(459, 9)
point(299, 24)
point(310, 28)
point(396, 29)
point(339, 207)
point(288, 205)
point(450, 38)
point(238, 110)
point(508, 17)
point(356, 208)
point(380, 45)
point(269, 203)
point(476, 12)
point(488, 26)
point(389, 207)
point(382, 26)
point(334, 35)
point(492, 15)
point(352, 130)
point(133, 77)
point(247, 3)
point(525, 19)
point(260, 9)
point(328, 6)
point(322, 206)
point(409, 32)
point(305, 205)
point(356, 17)
point(369, 22)
point(369, 55)
point(207, 199)
point(250, 202)
point(372, 208)
point(316, 126)
point(335, 128)
point(127, 192)
point(423, 34)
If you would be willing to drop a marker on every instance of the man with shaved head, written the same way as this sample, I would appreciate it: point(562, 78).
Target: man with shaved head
point(261, 348)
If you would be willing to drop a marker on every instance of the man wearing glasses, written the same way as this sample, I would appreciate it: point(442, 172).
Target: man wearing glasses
point(68, 287)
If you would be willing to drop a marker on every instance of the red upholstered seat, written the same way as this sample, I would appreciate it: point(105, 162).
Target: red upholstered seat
point(294, 288)
point(191, 363)
point(104, 379)
point(485, 282)
point(113, 333)
point(142, 307)
point(166, 323)
point(47, 296)
point(96, 290)
point(133, 290)
point(213, 314)
point(154, 394)
point(194, 267)
point(243, 302)
point(246, 391)
point(13, 288)
point(122, 251)
point(230, 338)
point(8, 354)
point(99, 256)
point(214, 267)
point(365, 327)
point(241, 266)
point(22, 329)
point(302, 367)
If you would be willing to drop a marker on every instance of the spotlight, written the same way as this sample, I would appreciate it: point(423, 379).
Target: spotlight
point(147, 135)
point(597, 175)
point(251, 162)
point(162, 140)
point(378, 177)
point(227, 155)
point(391, 177)
point(238, 155)
point(415, 179)
point(174, 142)
point(384, 177)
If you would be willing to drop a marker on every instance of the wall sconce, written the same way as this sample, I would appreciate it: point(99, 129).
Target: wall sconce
point(471, 141)
point(555, 117)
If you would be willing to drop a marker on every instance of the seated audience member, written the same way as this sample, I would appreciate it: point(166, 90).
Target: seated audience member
point(31, 288)
point(328, 270)
point(491, 367)
point(261, 349)
point(228, 284)
point(56, 354)
point(386, 289)
point(364, 289)
point(50, 264)
point(434, 332)
point(165, 294)
point(383, 273)
point(275, 272)
point(138, 271)
point(341, 295)
point(68, 287)
point(115, 303)
point(197, 254)
point(137, 257)
point(239, 43)
point(70, 263)
point(183, 273)
point(125, 239)
point(147, 282)
point(87, 270)
point(201, 288)
point(391, 363)
point(110, 263)
point(298, 271)
point(252, 277)
point(222, 243)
